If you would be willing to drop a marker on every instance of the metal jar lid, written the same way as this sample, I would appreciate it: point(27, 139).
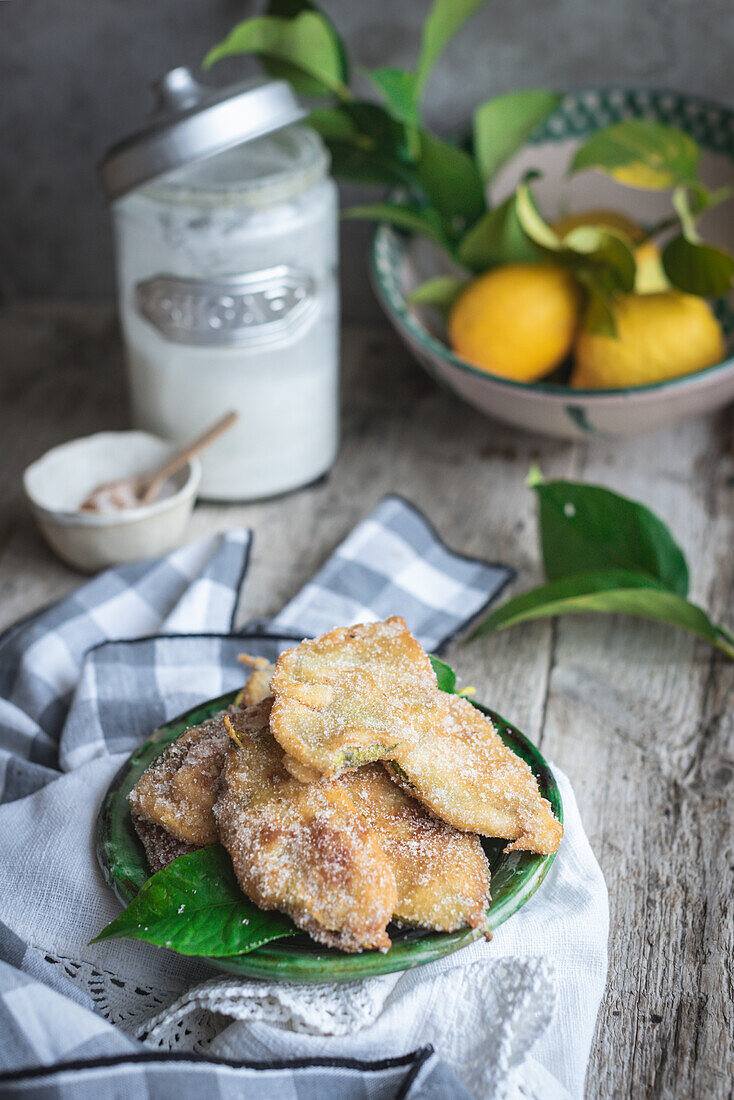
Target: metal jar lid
point(192, 122)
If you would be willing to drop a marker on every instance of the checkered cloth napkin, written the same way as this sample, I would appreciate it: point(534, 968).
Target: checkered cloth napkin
point(81, 684)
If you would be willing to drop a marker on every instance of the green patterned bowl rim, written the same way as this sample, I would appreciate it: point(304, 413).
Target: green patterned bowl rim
point(515, 875)
point(580, 113)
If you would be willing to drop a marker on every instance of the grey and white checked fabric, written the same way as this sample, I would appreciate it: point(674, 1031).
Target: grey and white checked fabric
point(41, 658)
point(394, 563)
point(88, 679)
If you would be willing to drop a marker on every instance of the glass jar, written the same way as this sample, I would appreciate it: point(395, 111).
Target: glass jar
point(227, 281)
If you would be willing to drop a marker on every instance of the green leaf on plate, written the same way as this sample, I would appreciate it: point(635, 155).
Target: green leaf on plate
point(698, 268)
point(440, 292)
point(307, 44)
point(441, 24)
point(410, 220)
point(640, 153)
point(195, 907)
point(445, 674)
point(450, 179)
point(496, 238)
point(586, 527)
point(504, 123)
point(399, 90)
point(609, 590)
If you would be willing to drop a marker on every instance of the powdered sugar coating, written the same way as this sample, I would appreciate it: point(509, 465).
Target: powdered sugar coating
point(369, 692)
point(441, 874)
point(303, 849)
point(178, 790)
point(160, 847)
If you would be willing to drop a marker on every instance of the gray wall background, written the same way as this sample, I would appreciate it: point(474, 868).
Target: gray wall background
point(75, 74)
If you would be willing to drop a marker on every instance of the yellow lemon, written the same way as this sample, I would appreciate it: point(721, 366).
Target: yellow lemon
point(659, 336)
point(517, 320)
point(649, 275)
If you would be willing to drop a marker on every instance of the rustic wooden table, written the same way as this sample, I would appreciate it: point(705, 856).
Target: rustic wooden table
point(639, 716)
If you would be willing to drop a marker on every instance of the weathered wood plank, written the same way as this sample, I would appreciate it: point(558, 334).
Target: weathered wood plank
point(633, 710)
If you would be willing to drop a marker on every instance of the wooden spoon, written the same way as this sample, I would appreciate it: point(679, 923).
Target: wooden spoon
point(141, 489)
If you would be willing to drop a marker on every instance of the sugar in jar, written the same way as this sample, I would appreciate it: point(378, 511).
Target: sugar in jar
point(227, 282)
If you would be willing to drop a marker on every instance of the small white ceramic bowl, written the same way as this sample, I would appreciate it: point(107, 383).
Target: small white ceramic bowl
point(400, 263)
point(57, 483)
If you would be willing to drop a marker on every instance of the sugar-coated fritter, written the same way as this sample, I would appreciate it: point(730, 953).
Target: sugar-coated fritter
point(369, 692)
point(178, 790)
point(441, 875)
point(257, 687)
point(160, 847)
point(343, 699)
point(303, 849)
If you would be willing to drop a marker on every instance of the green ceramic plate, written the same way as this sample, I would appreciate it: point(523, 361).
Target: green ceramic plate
point(515, 877)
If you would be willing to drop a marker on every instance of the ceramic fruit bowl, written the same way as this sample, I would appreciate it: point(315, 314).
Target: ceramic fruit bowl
point(400, 263)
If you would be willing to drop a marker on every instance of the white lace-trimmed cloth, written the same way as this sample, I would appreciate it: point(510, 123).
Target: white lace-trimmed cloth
point(81, 684)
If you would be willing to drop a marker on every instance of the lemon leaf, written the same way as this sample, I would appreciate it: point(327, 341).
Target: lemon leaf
point(353, 162)
point(305, 85)
point(195, 906)
point(690, 264)
point(604, 552)
point(307, 44)
point(410, 220)
point(698, 268)
point(334, 124)
point(496, 238)
point(400, 91)
point(442, 23)
point(445, 675)
point(640, 153)
point(584, 527)
point(440, 292)
point(505, 122)
point(599, 315)
point(609, 590)
point(389, 137)
point(533, 223)
point(450, 178)
point(365, 144)
point(699, 198)
point(607, 254)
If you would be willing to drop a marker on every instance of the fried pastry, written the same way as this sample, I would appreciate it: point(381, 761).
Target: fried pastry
point(257, 687)
point(303, 849)
point(369, 692)
point(178, 790)
point(441, 875)
point(160, 847)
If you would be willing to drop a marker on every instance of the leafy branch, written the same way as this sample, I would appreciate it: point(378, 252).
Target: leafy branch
point(443, 186)
point(387, 143)
point(604, 553)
